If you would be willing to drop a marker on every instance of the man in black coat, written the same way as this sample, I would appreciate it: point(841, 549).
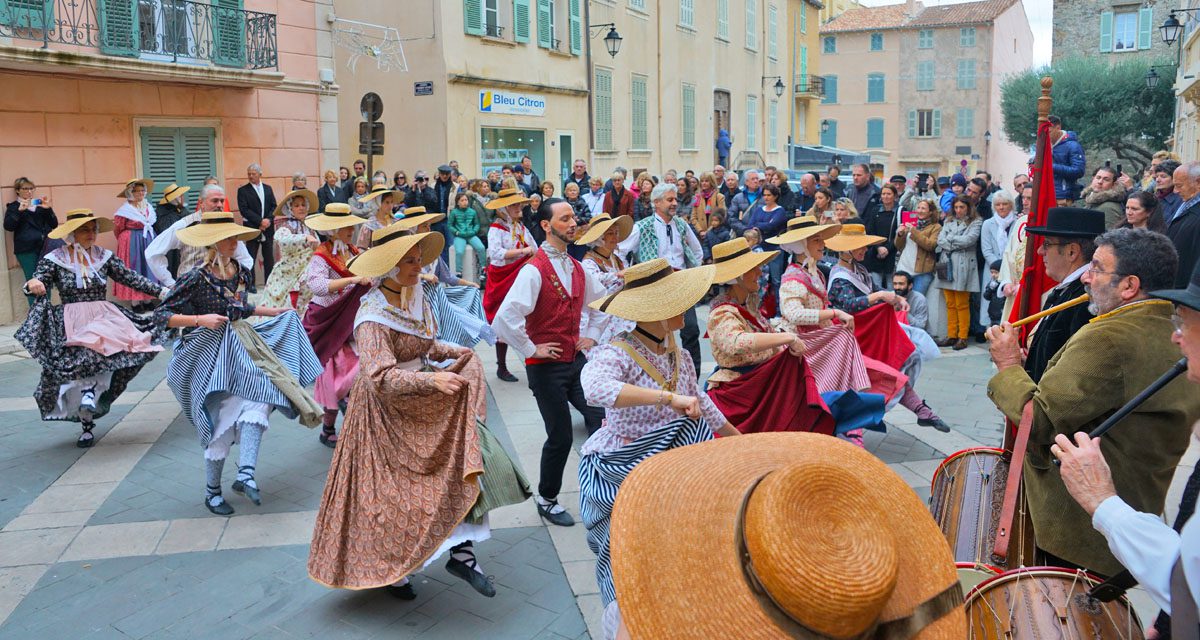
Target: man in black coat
point(256, 202)
point(443, 191)
point(1184, 230)
point(1067, 252)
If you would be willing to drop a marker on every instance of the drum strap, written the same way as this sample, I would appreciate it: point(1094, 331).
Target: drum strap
point(1184, 617)
point(1113, 587)
point(1008, 510)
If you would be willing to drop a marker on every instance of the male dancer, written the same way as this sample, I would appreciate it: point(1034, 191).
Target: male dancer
point(546, 318)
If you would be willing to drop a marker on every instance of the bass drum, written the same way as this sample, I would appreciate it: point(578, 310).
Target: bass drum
point(1043, 603)
point(966, 498)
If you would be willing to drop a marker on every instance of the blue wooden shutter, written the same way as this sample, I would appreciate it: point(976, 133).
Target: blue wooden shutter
point(27, 14)
point(473, 17)
point(1145, 27)
point(1106, 31)
point(118, 27)
point(520, 20)
point(185, 156)
point(545, 35)
point(229, 33)
point(831, 90)
point(159, 158)
point(575, 18)
point(804, 68)
point(937, 123)
point(198, 158)
point(912, 123)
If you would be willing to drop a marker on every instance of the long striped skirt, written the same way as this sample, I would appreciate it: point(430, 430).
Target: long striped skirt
point(209, 364)
point(601, 475)
point(459, 314)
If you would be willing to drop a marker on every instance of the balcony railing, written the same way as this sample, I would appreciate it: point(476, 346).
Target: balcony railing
point(178, 31)
point(810, 85)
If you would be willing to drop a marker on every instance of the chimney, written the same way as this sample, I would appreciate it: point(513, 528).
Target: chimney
point(912, 8)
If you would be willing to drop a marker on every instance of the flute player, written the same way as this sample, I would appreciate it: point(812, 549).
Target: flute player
point(1100, 368)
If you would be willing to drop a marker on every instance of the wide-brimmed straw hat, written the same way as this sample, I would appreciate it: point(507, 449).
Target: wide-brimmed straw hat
point(336, 216)
point(734, 257)
point(416, 216)
point(77, 218)
point(389, 245)
point(852, 237)
point(505, 198)
point(147, 182)
point(214, 227)
point(803, 536)
point(600, 225)
point(173, 191)
point(803, 228)
point(654, 291)
point(379, 190)
point(280, 209)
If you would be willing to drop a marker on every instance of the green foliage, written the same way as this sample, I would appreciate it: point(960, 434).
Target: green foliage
point(1108, 106)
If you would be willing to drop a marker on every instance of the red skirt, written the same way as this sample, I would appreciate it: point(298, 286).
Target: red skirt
point(777, 395)
point(499, 281)
point(880, 336)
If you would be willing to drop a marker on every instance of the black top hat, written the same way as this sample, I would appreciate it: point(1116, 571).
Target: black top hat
point(1189, 297)
point(1071, 222)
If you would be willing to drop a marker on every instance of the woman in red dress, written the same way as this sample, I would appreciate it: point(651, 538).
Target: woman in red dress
point(134, 227)
point(509, 245)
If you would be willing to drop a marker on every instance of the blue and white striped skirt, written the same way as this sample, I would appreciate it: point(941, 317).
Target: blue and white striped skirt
point(459, 313)
point(601, 475)
point(209, 364)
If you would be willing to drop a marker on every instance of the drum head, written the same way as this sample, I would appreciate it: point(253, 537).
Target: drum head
point(972, 575)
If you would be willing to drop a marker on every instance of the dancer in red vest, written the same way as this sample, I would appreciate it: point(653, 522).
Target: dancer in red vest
point(509, 247)
point(545, 317)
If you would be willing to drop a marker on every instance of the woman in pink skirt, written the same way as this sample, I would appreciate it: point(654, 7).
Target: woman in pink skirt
point(134, 227)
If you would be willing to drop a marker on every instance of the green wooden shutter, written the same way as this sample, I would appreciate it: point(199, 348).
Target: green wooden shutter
point(1145, 27)
point(1106, 31)
point(229, 33)
point(602, 89)
point(473, 17)
point(831, 90)
point(118, 27)
point(520, 20)
point(185, 156)
point(804, 68)
point(803, 18)
point(772, 37)
point(159, 158)
point(575, 19)
point(27, 14)
point(639, 108)
point(689, 116)
point(752, 24)
point(545, 35)
point(912, 123)
point(723, 19)
point(937, 123)
point(829, 137)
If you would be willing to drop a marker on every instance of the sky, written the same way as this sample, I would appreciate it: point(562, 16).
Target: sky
point(1039, 12)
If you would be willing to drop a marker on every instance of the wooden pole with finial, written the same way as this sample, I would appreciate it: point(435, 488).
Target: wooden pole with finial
point(1044, 102)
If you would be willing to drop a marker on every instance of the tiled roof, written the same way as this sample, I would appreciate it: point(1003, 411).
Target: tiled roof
point(895, 16)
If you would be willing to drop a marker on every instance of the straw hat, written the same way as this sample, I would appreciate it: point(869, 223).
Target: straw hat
point(337, 216)
point(173, 191)
point(147, 182)
point(77, 218)
point(307, 195)
point(804, 536)
point(734, 257)
point(379, 190)
point(803, 228)
point(600, 225)
point(389, 245)
point(416, 216)
point(505, 198)
point(654, 291)
point(214, 227)
point(853, 236)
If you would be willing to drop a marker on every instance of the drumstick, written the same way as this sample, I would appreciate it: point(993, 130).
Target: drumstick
point(1052, 310)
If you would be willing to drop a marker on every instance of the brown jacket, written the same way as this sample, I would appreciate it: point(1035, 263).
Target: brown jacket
point(926, 240)
point(715, 203)
point(621, 207)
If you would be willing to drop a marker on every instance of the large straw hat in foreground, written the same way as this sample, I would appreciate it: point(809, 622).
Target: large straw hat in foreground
point(389, 245)
point(337, 216)
point(804, 536)
point(505, 198)
point(145, 182)
point(734, 257)
point(601, 223)
point(654, 291)
point(213, 228)
point(282, 207)
point(77, 218)
point(852, 237)
point(803, 228)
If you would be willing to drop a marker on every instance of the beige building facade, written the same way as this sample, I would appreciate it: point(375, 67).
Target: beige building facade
point(1187, 89)
point(807, 86)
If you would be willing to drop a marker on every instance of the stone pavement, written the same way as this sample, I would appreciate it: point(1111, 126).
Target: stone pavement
point(113, 542)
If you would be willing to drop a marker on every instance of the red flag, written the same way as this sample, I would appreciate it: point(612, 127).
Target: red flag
point(1034, 281)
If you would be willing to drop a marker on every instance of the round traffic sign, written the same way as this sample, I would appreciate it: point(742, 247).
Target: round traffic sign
point(371, 106)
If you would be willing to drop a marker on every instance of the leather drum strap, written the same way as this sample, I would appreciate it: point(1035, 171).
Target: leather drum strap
point(1013, 487)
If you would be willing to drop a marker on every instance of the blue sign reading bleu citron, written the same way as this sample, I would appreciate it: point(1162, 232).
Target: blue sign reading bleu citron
point(521, 104)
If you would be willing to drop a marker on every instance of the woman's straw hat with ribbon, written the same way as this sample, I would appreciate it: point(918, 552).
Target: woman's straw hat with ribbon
point(145, 182)
point(284, 206)
point(803, 228)
point(654, 291)
point(389, 245)
point(505, 198)
point(852, 237)
point(173, 191)
point(214, 227)
point(336, 216)
point(377, 191)
point(734, 257)
point(77, 218)
point(804, 536)
point(416, 216)
point(601, 223)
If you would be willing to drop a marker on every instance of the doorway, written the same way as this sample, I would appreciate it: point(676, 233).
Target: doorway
point(566, 156)
point(721, 103)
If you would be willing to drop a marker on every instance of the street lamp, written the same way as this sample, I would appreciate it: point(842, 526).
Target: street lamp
point(778, 86)
point(612, 39)
point(824, 126)
point(1170, 29)
point(1151, 79)
point(987, 145)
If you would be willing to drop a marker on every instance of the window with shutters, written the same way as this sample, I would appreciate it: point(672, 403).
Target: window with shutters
point(638, 107)
point(688, 100)
point(925, 75)
point(27, 14)
point(491, 18)
point(602, 101)
point(829, 44)
point(752, 122)
point(687, 13)
point(183, 155)
point(925, 123)
point(829, 133)
point(876, 42)
point(772, 37)
point(964, 125)
point(966, 37)
point(803, 18)
point(1124, 31)
point(752, 25)
point(875, 133)
point(925, 39)
point(773, 127)
point(723, 19)
point(546, 23)
point(831, 90)
point(966, 74)
point(875, 86)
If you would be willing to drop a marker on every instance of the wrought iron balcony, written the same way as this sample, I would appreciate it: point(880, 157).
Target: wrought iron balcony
point(810, 86)
point(178, 31)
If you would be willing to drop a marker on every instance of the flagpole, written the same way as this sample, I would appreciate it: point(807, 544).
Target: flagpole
point(1044, 103)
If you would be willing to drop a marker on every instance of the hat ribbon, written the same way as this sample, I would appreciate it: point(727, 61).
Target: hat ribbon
point(735, 254)
point(802, 224)
point(220, 220)
point(903, 628)
point(77, 216)
point(650, 279)
point(338, 214)
point(399, 233)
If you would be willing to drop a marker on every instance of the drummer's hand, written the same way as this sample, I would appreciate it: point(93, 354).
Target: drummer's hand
point(448, 383)
point(1084, 471)
point(685, 406)
point(1004, 347)
point(36, 287)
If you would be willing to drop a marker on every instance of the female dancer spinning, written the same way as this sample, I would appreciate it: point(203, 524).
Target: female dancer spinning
point(286, 286)
point(509, 246)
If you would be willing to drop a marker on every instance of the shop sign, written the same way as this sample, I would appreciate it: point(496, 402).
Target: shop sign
point(521, 104)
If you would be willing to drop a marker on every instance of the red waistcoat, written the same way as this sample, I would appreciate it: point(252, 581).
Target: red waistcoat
point(555, 316)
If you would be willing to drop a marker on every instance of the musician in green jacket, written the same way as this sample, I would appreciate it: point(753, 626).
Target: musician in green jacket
point(1104, 365)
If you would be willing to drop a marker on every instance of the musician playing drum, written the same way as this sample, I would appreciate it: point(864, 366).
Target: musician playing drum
point(1152, 551)
point(1125, 348)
